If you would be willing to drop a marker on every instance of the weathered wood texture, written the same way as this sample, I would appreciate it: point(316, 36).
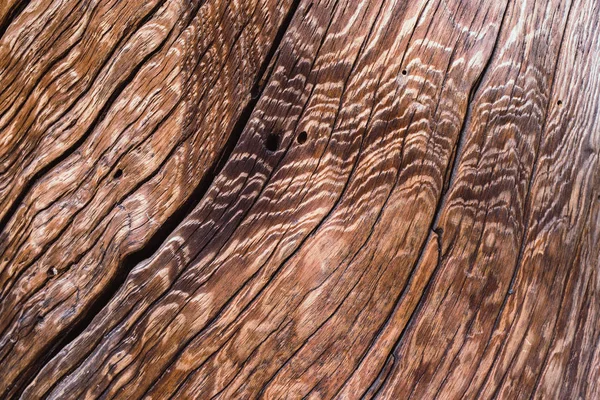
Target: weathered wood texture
point(301, 198)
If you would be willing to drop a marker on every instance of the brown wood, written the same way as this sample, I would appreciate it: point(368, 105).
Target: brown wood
point(288, 199)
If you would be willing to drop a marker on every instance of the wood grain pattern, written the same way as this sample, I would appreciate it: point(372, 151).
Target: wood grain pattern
point(159, 120)
point(301, 199)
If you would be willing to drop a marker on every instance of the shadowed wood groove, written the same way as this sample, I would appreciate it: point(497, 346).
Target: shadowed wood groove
point(301, 199)
point(188, 67)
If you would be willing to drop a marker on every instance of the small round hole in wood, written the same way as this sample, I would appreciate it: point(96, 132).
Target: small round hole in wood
point(301, 139)
point(118, 174)
point(272, 142)
point(559, 102)
point(404, 72)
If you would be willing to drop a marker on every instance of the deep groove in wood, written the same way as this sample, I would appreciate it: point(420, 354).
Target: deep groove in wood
point(172, 222)
point(15, 11)
point(101, 115)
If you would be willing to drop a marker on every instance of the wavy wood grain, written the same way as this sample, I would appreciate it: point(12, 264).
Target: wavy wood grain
point(150, 105)
point(392, 199)
point(506, 247)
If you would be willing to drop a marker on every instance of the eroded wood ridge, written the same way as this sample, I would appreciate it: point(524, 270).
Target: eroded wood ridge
point(391, 199)
point(153, 106)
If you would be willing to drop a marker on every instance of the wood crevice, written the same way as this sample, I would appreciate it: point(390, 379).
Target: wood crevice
point(179, 215)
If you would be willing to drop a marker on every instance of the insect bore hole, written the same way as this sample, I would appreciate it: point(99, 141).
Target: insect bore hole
point(301, 139)
point(272, 142)
point(404, 72)
point(118, 174)
point(559, 102)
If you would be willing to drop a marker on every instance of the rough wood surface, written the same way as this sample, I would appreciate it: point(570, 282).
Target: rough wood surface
point(299, 199)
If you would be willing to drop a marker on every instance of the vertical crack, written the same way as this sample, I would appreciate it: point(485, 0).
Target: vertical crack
point(451, 173)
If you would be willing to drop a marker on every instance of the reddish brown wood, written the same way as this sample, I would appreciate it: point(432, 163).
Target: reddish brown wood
point(320, 199)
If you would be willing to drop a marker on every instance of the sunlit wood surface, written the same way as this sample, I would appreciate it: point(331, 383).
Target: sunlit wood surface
point(294, 199)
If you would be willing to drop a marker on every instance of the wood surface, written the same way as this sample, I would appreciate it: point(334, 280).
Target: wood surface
point(300, 199)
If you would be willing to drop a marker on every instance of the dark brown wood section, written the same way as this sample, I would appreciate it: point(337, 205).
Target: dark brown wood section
point(300, 199)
